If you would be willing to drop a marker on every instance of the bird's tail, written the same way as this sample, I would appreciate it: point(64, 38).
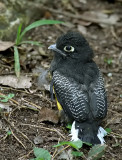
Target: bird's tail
point(90, 133)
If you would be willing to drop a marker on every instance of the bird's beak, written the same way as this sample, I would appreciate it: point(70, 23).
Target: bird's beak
point(54, 48)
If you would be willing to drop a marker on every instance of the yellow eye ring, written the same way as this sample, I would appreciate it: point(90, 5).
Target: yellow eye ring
point(69, 49)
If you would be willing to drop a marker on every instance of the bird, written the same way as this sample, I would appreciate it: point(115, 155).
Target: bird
point(79, 87)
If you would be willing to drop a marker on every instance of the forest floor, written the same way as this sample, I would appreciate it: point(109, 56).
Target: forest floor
point(30, 118)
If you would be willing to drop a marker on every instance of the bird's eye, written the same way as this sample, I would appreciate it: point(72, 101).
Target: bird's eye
point(69, 49)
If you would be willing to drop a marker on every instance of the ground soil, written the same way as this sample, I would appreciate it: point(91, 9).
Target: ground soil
point(24, 122)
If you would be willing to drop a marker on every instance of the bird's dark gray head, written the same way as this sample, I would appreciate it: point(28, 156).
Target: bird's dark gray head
point(73, 45)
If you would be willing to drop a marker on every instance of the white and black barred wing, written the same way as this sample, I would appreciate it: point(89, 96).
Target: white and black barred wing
point(71, 96)
point(98, 99)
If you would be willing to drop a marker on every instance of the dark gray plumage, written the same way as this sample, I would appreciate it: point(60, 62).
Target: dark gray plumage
point(79, 86)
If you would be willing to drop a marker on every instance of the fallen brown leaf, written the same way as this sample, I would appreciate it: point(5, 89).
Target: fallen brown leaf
point(50, 115)
point(13, 81)
point(102, 17)
point(4, 45)
point(82, 29)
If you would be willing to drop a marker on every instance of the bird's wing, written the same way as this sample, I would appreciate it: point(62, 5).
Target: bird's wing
point(71, 96)
point(98, 99)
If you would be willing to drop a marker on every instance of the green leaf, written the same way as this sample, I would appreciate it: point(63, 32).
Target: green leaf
point(42, 154)
point(9, 133)
point(37, 24)
point(31, 42)
point(96, 152)
point(37, 158)
point(88, 144)
point(17, 63)
point(18, 34)
point(10, 95)
point(108, 130)
point(108, 61)
point(76, 144)
point(6, 98)
point(69, 126)
point(77, 154)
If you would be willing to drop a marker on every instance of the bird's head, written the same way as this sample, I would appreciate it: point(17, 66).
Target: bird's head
point(73, 45)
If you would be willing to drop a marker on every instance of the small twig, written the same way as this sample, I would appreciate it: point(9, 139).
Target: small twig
point(17, 139)
point(60, 151)
point(3, 138)
point(38, 107)
point(54, 130)
point(120, 57)
point(55, 149)
point(54, 153)
point(113, 33)
point(84, 157)
point(14, 101)
point(119, 136)
point(5, 66)
point(25, 156)
point(59, 133)
point(115, 112)
point(13, 110)
point(114, 137)
point(25, 137)
point(9, 88)
point(61, 29)
point(113, 155)
point(110, 121)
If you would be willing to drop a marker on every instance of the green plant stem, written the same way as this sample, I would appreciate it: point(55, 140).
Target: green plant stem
point(17, 63)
